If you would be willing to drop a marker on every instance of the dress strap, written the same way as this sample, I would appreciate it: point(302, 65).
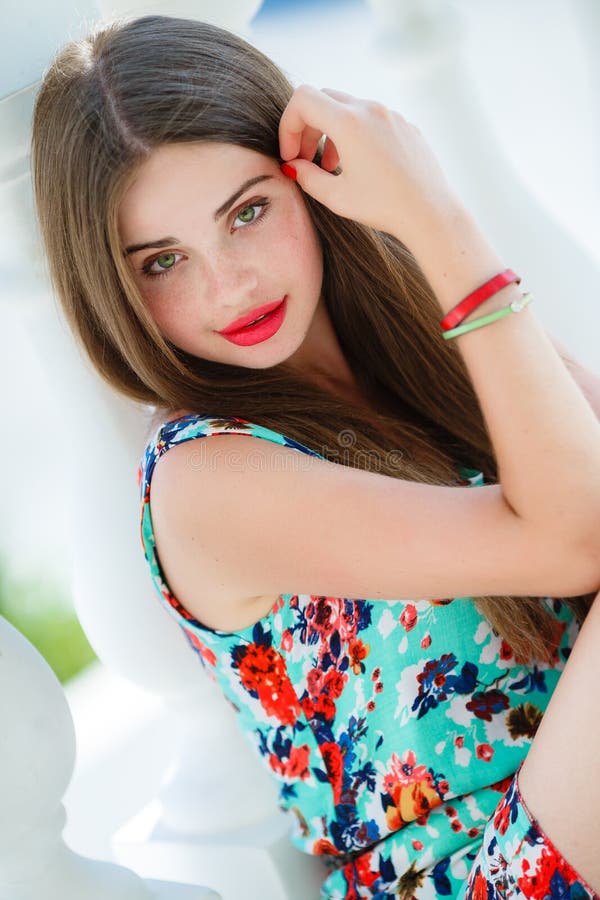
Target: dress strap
point(194, 425)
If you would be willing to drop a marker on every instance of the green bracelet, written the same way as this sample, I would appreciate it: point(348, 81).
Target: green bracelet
point(515, 306)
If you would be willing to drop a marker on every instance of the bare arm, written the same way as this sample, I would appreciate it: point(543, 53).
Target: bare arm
point(544, 433)
point(588, 382)
point(569, 736)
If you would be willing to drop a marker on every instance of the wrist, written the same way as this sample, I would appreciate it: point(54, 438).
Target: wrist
point(499, 300)
point(456, 258)
point(431, 221)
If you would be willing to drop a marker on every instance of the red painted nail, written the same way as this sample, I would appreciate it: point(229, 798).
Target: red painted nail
point(289, 171)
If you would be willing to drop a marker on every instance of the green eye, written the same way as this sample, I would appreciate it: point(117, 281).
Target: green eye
point(161, 265)
point(251, 214)
point(247, 215)
point(165, 260)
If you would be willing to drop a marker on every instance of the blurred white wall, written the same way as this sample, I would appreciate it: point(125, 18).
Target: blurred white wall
point(32, 31)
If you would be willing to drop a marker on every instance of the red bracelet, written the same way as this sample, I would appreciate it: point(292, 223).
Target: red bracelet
point(466, 306)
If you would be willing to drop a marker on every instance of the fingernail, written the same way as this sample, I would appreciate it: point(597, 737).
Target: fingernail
point(289, 171)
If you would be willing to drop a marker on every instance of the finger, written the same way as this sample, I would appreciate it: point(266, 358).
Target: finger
point(308, 107)
point(309, 143)
point(315, 180)
point(349, 99)
point(340, 96)
point(330, 159)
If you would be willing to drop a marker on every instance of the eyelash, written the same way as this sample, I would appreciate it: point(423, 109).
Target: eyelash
point(262, 203)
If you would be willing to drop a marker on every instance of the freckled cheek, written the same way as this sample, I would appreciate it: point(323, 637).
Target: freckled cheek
point(173, 310)
point(296, 248)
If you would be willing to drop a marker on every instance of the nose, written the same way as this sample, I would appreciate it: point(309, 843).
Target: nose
point(230, 280)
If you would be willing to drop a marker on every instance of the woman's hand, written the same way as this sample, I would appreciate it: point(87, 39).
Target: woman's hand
point(389, 179)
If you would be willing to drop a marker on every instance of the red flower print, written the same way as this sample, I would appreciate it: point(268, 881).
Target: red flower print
point(256, 664)
point(502, 818)
point(405, 771)
point(324, 706)
point(379, 687)
point(323, 847)
point(502, 785)
point(358, 651)
point(323, 689)
point(298, 762)
point(334, 682)
point(314, 681)
point(408, 617)
point(480, 887)
point(318, 611)
point(294, 767)
point(459, 741)
point(262, 670)
point(370, 706)
point(426, 642)
point(205, 652)
point(506, 651)
point(473, 832)
point(350, 879)
point(363, 870)
point(412, 790)
point(548, 864)
point(324, 614)
point(174, 602)
point(308, 706)
point(287, 641)
point(277, 605)
point(375, 674)
point(334, 763)
point(484, 752)
point(485, 704)
point(411, 803)
point(455, 825)
point(417, 845)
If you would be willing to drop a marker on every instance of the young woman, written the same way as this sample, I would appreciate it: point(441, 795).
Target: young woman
point(390, 636)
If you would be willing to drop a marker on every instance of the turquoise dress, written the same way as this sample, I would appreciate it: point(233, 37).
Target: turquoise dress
point(392, 728)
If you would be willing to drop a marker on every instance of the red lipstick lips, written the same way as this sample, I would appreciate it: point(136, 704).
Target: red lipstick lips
point(251, 316)
point(248, 334)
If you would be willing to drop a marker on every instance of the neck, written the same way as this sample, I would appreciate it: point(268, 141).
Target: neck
point(320, 358)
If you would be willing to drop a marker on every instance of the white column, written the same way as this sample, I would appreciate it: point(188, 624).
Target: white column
point(37, 756)
point(232, 14)
point(586, 14)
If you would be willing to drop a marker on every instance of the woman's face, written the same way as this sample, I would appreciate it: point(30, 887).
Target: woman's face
point(207, 247)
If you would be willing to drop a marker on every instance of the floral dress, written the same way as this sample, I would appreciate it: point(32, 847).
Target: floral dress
point(393, 729)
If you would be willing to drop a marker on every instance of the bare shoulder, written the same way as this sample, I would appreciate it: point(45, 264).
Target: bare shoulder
point(240, 520)
point(191, 570)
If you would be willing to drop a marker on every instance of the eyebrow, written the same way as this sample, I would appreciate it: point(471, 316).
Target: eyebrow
point(167, 241)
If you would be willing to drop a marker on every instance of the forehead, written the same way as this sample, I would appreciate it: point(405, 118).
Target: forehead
point(203, 174)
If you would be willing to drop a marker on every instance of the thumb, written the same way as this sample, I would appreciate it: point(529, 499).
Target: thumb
point(316, 181)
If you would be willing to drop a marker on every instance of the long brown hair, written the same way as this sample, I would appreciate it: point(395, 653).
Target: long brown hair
point(104, 105)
